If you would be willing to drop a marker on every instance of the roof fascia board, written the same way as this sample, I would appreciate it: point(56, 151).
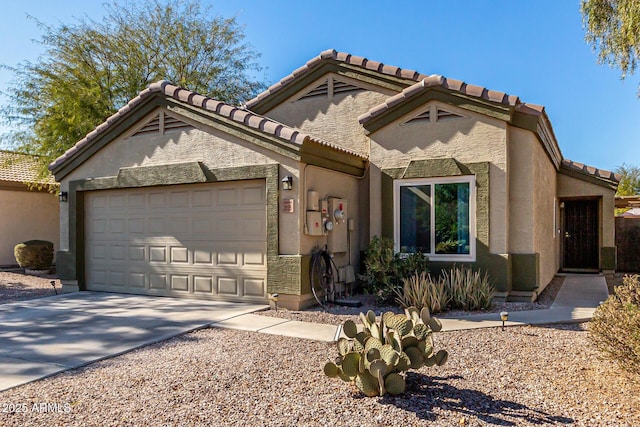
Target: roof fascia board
point(436, 94)
point(319, 155)
point(588, 178)
point(541, 127)
point(271, 101)
point(113, 131)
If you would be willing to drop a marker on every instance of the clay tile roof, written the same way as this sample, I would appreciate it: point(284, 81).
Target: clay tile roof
point(20, 168)
point(456, 86)
point(236, 114)
point(590, 170)
point(347, 58)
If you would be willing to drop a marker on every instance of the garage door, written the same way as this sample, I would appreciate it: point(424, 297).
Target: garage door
point(198, 240)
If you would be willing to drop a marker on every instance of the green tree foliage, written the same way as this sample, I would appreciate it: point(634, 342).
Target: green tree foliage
point(630, 182)
point(90, 69)
point(613, 29)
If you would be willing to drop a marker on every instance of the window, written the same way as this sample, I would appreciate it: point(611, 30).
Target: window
point(436, 216)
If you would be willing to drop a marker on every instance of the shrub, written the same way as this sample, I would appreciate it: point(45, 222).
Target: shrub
point(467, 290)
point(34, 254)
point(421, 290)
point(385, 269)
point(615, 327)
point(376, 359)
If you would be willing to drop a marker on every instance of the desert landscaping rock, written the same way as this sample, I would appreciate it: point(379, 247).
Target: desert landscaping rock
point(523, 376)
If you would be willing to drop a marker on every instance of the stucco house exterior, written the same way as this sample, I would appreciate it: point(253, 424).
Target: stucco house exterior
point(26, 213)
point(179, 194)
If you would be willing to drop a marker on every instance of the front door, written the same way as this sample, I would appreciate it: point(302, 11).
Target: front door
point(580, 235)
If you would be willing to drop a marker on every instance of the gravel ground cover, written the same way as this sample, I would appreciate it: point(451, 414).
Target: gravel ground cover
point(336, 315)
point(524, 376)
point(17, 286)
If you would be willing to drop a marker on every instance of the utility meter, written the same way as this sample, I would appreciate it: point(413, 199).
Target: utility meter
point(328, 225)
point(339, 215)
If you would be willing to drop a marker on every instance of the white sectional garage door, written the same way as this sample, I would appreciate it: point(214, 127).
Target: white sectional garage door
point(197, 240)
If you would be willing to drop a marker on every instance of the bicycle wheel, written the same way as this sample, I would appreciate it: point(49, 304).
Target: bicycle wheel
point(321, 277)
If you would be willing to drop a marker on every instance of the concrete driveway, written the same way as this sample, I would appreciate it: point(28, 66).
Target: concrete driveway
point(45, 336)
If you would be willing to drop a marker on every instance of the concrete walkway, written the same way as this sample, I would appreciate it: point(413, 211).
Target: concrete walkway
point(576, 302)
point(44, 336)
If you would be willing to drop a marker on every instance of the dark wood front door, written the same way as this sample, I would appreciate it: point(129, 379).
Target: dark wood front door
point(580, 235)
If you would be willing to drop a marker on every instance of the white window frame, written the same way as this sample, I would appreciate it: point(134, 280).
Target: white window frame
point(471, 180)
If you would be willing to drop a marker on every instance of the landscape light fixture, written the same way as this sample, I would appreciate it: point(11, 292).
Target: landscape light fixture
point(287, 183)
point(504, 316)
point(63, 196)
point(274, 298)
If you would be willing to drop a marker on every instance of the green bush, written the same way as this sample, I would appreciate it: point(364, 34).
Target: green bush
point(385, 270)
point(615, 327)
point(467, 290)
point(421, 290)
point(34, 254)
point(458, 288)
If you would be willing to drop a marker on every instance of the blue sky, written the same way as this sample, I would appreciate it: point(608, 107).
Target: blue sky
point(531, 48)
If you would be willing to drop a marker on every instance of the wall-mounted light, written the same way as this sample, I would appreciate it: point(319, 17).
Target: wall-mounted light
point(63, 196)
point(287, 183)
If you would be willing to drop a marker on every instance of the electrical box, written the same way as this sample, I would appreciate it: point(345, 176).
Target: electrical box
point(338, 238)
point(313, 201)
point(314, 224)
point(324, 208)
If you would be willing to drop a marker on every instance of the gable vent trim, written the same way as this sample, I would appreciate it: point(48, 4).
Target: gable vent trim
point(162, 123)
point(446, 115)
point(422, 117)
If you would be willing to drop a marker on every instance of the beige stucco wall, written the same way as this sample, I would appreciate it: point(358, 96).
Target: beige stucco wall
point(471, 139)
point(333, 119)
point(212, 147)
point(573, 187)
point(26, 215)
point(532, 199)
point(333, 184)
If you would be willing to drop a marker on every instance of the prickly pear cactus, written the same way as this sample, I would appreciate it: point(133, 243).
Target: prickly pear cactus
point(376, 358)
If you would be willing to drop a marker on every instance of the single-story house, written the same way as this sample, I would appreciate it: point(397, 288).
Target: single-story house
point(182, 195)
point(26, 212)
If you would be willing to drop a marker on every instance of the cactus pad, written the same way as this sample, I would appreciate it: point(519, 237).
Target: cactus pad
point(344, 346)
point(351, 364)
point(350, 329)
point(331, 370)
point(395, 384)
point(425, 315)
point(441, 357)
point(421, 331)
point(368, 384)
point(415, 356)
point(389, 355)
point(378, 368)
point(435, 324)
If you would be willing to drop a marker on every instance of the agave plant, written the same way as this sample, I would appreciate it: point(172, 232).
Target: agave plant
point(376, 359)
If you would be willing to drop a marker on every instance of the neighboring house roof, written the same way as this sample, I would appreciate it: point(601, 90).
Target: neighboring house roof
point(627, 201)
point(236, 114)
point(20, 168)
point(631, 213)
point(601, 177)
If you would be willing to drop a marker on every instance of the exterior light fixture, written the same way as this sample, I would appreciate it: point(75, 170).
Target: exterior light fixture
point(274, 298)
point(63, 196)
point(287, 183)
point(504, 316)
